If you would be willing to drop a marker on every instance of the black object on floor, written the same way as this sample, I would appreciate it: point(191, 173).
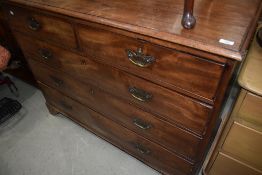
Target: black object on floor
point(8, 108)
point(11, 85)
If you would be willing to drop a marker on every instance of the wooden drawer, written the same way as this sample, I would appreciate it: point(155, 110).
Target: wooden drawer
point(173, 138)
point(35, 24)
point(226, 165)
point(251, 109)
point(171, 68)
point(245, 143)
point(146, 151)
point(178, 109)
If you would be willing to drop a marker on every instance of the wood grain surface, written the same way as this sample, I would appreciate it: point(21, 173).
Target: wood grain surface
point(186, 144)
point(146, 151)
point(217, 19)
point(172, 106)
point(46, 27)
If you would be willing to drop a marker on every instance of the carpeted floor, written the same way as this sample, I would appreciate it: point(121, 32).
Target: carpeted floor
point(34, 142)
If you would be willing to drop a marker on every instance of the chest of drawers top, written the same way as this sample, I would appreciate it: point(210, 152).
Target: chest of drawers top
point(223, 27)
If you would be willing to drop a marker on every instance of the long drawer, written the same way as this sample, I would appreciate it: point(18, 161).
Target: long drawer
point(226, 165)
point(167, 67)
point(181, 142)
point(146, 151)
point(173, 107)
point(245, 143)
point(48, 28)
point(250, 109)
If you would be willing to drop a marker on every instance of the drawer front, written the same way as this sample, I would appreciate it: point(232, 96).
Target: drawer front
point(171, 106)
point(173, 138)
point(245, 143)
point(41, 26)
point(146, 151)
point(251, 109)
point(166, 67)
point(226, 165)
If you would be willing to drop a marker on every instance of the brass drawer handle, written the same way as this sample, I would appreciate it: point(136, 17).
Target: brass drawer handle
point(142, 149)
point(141, 124)
point(45, 53)
point(140, 94)
point(65, 105)
point(57, 81)
point(33, 24)
point(139, 58)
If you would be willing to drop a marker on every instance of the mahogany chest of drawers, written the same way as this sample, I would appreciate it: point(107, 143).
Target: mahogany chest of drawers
point(131, 74)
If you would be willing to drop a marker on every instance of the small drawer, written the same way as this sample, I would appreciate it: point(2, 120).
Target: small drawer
point(244, 143)
point(175, 139)
point(226, 165)
point(38, 25)
point(144, 150)
point(167, 67)
point(251, 109)
point(169, 105)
